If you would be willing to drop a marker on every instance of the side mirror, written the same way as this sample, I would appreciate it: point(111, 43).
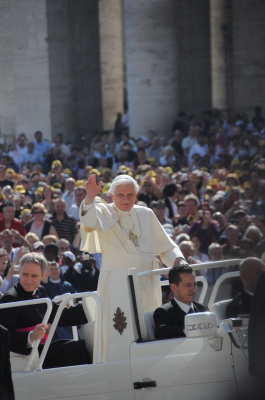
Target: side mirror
point(201, 324)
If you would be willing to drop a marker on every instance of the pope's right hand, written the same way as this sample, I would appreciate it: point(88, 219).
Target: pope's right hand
point(38, 332)
point(92, 189)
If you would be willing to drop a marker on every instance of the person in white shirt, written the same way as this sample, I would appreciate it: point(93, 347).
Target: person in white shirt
point(43, 146)
point(80, 195)
point(190, 140)
point(69, 194)
point(200, 148)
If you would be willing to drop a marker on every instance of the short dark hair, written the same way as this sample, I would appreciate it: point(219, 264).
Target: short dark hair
point(174, 273)
point(51, 248)
point(170, 189)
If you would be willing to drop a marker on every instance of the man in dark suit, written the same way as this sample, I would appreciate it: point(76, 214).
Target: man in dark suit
point(169, 319)
point(250, 270)
point(6, 384)
point(25, 323)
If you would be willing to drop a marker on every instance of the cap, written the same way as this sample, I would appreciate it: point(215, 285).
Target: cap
point(169, 170)
point(79, 183)
point(217, 197)
point(57, 185)
point(19, 189)
point(94, 171)
point(105, 171)
point(26, 211)
point(235, 162)
point(37, 245)
point(70, 255)
point(57, 162)
point(151, 173)
point(105, 187)
point(246, 185)
point(10, 172)
point(40, 190)
point(213, 182)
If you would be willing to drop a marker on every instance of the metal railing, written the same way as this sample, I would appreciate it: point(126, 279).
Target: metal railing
point(57, 299)
point(47, 314)
point(195, 267)
point(56, 320)
point(221, 278)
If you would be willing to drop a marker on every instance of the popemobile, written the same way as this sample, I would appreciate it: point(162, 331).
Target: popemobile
point(210, 362)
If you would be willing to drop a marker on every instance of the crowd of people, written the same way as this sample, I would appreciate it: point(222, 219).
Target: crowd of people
point(205, 183)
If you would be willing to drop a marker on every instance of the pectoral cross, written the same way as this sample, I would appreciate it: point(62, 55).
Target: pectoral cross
point(133, 238)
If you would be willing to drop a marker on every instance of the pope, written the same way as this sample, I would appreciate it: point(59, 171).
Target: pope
point(128, 236)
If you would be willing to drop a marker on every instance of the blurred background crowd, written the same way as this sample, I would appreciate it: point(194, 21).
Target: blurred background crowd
point(205, 182)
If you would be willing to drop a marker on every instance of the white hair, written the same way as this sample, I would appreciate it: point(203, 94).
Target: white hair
point(213, 247)
point(121, 180)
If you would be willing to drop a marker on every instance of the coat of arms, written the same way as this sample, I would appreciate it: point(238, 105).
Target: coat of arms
point(119, 320)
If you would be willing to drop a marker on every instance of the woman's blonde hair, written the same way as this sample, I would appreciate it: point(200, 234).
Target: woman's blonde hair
point(38, 205)
point(32, 235)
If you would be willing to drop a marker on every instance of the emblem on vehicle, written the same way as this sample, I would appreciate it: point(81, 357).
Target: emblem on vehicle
point(119, 320)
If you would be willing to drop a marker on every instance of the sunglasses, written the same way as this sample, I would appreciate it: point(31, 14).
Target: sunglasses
point(37, 212)
point(40, 248)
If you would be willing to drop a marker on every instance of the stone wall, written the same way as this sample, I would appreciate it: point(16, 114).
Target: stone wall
point(24, 68)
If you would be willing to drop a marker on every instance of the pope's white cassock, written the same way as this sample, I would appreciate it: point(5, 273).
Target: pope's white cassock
point(126, 240)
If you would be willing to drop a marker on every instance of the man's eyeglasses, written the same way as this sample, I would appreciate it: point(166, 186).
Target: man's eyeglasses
point(40, 248)
point(37, 212)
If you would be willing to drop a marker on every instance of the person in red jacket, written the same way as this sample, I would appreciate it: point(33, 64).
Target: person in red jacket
point(9, 222)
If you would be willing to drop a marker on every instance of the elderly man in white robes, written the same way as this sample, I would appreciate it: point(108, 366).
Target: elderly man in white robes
point(128, 236)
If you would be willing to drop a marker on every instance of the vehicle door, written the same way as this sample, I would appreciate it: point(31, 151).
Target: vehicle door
point(182, 368)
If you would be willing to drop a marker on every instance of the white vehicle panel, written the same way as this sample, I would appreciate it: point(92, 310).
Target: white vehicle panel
point(112, 380)
point(173, 364)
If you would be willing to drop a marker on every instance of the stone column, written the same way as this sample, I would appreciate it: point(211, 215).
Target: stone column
point(194, 57)
point(152, 64)
point(7, 102)
point(31, 67)
point(220, 18)
point(110, 27)
point(74, 56)
point(248, 29)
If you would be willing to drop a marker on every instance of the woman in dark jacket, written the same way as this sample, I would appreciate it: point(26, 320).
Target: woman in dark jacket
point(39, 225)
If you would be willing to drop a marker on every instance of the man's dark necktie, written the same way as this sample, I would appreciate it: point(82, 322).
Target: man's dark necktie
point(191, 311)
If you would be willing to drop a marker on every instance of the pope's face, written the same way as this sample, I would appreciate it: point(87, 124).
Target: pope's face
point(124, 196)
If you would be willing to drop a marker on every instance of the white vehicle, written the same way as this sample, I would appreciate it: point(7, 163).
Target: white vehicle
point(211, 362)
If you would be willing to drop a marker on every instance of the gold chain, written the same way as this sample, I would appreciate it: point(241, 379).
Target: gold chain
point(134, 238)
